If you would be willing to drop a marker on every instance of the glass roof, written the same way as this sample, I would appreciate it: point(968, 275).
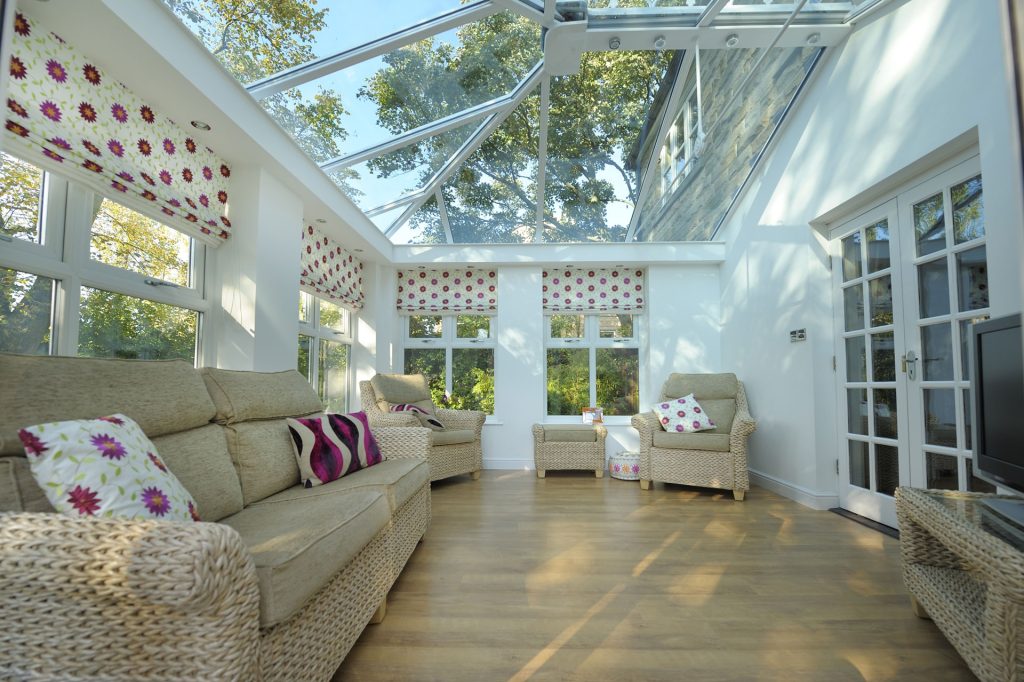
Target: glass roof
point(444, 121)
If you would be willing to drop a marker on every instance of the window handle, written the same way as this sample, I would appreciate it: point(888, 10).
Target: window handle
point(159, 283)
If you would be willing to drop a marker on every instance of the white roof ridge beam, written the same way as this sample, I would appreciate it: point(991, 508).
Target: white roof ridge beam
point(710, 12)
point(519, 93)
point(441, 125)
point(675, 94)
point(317, 68)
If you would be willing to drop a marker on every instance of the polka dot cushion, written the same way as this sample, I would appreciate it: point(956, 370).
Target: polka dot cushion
point(682, 415)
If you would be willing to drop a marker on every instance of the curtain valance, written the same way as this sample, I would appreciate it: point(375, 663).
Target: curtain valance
point(330, 271)
point(67, 114)
point(448, 290)
point(593, 290)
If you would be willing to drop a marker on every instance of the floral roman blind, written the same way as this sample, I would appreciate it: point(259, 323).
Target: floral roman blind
point(448, 290)
point(593, 290)
point(67, 114)
point(330, 271)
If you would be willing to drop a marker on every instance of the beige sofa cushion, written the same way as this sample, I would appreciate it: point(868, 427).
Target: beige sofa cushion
point(398, 479)
point(452, 436)
point(398, 389)
point(702, 386)
point(200, 460)
point(569, 433)
point(705, 440)
point(264, 457)
point(19, 491)
point(722, 412)
point(163, 396)
point(241, 396)
point(300, 544)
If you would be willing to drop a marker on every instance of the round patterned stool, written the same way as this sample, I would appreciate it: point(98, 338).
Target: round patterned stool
point(625, 466)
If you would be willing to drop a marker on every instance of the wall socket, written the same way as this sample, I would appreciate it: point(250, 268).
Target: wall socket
point(798, 335)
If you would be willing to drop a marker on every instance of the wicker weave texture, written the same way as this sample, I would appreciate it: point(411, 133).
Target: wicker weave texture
point(444, 460)
point(705, 468)
point(970, 582)
point(567, 455)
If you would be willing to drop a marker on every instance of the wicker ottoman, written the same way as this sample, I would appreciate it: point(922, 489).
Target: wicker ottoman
point(569, 446)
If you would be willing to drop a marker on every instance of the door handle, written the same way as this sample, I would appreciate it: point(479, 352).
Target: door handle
point(909, 364)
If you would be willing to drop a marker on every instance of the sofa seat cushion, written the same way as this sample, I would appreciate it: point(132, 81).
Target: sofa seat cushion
point(717, 442)
point(299, 544)
point(398, 479)
point(569, 433)
point(453, 436)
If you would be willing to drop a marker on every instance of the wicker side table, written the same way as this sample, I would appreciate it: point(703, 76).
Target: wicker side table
point(964, 568)
point(569, 446)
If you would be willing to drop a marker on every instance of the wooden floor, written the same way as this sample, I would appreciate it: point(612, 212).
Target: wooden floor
point(577, 578)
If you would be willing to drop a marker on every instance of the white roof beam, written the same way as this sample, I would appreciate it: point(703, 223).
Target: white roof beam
point(304, 73)
point(444, 216)
point(528, 10)
point(710, 12)
point(642, 37)
point(401, 201)
point(542, 157)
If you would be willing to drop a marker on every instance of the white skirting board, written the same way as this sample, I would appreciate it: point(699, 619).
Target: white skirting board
point(809, 498)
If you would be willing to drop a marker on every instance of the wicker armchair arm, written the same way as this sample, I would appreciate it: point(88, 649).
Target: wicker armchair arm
point(472, 420)
point(403, 442)
point(646, 423)
point(743, 424)
point(384, 419)
point(189, 567)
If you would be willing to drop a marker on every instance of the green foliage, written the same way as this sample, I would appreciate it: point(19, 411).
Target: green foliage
point(126, 239)
point(119, 326)
point(568, 380)
point(20, 192)
point(25, 312)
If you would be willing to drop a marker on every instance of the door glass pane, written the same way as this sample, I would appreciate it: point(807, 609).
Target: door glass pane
point(305, 307)
point(851, 257)
point(118, 326)
point(567, 326)
point(968, 210)
point(880, 292)
point(878, 246)
point(21, 190)
point(125, 239)
point(430, 363)
point(885, 412)
point(930, 225)
point(473, 379)
point(965, 344)
point(972, 279)
point(853, 307)
point(332, 379)
point(303, 364)
point(975, 484)
point(856, 361)
point(615, 326)
point(883, 357)
point(568, 380)
point(933, 288)
point(26, 312)
point(939, 417)
point(857, 411)
point(860, 467)
point(937, 351)
point(333, 316)
point(618, 380)
point(887, 469)
point(968, 417)
point(473, 327)
point(425, 327)
point(941, 471)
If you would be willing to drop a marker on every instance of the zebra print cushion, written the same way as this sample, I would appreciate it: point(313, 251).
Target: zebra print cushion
point(330, 446)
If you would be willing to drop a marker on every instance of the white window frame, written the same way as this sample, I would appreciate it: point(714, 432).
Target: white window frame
point(313, 328)
point(592, 341)
point(63, 254)
point(450, 341)
point(681, 138)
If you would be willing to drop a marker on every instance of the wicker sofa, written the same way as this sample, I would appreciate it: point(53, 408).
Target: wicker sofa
point(278, 581)
point(456, 450)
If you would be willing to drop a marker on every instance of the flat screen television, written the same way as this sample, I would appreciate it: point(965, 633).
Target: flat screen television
point(997, 389)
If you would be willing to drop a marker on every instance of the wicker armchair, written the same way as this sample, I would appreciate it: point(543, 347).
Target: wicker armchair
point(456, 450)
point(710, 459)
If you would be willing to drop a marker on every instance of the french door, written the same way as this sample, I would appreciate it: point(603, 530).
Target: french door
point(910, 277)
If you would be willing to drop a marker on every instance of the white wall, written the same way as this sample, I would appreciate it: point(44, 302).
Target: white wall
point(903, 86)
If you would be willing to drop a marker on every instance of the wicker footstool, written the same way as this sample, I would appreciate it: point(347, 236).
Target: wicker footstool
point(569, 446)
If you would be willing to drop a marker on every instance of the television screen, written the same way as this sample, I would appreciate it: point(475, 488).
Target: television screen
point(998, 385)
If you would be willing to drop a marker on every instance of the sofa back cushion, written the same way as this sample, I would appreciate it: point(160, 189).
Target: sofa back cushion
point(702, 386)
point(19, 491)
point(262, 453)
point(396, 389)
point(244, 396)
point(199, 458)
point(162, 396)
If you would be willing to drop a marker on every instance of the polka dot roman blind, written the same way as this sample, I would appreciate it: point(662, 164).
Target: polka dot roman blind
point(330, 271)
point(448, 290)
point(583, 290)
point(67, 114)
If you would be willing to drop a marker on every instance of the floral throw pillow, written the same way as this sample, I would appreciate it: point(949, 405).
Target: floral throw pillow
point(426, 419)
point(330, 446)
point(682, 415)
point(104, 467)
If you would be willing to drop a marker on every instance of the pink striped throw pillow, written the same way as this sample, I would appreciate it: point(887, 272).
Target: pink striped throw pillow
point(330, 446)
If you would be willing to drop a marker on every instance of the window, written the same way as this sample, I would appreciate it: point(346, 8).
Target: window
point(325, 349)
point(592, 360)
point(679, 146)
point(81, 274)
point(456, 354)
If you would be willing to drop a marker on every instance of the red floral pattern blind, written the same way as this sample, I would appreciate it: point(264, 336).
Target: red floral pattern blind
point(448, 290)
point(67, 114)
point(594, 290)
point(330, 271)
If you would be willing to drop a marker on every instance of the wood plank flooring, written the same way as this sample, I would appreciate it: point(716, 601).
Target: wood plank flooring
point(577, 578)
